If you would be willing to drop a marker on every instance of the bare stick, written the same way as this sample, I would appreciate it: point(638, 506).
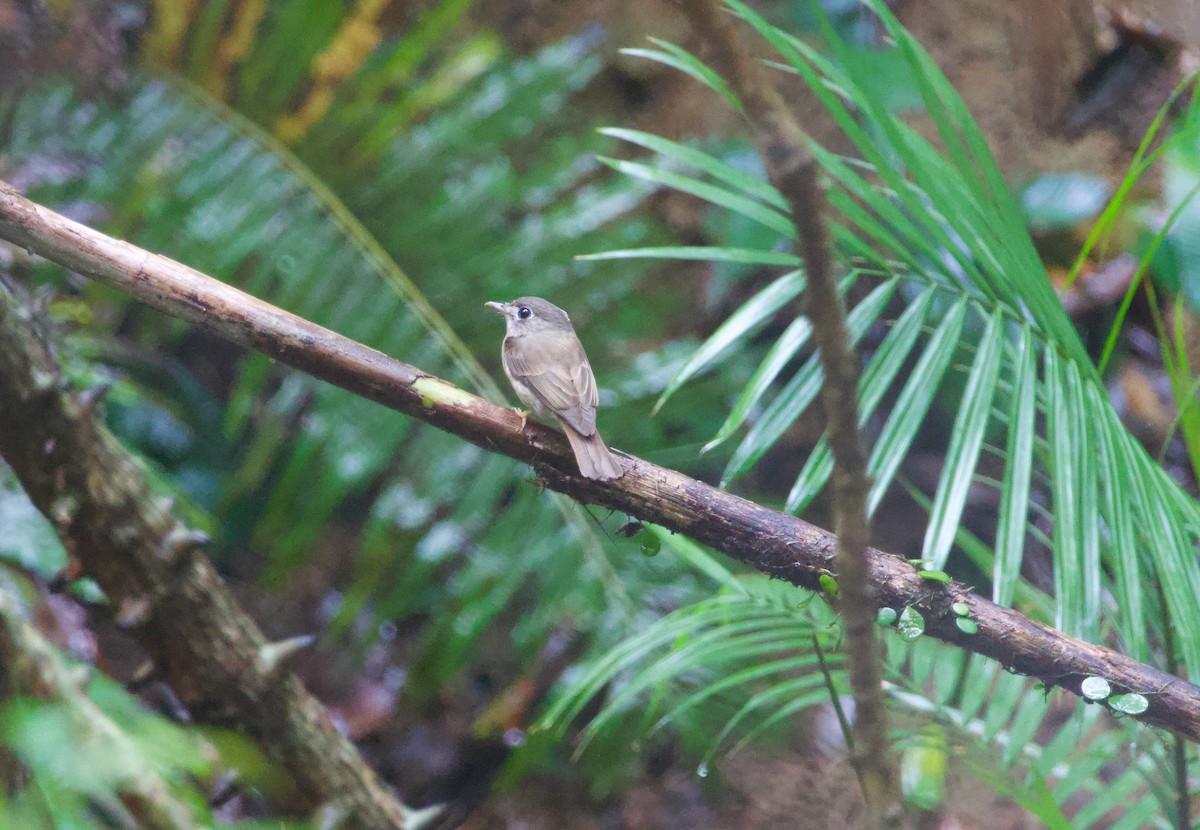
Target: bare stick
point(794, 173)
point(774, 543)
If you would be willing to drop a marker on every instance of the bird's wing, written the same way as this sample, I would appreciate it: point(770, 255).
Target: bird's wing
point(555, 367)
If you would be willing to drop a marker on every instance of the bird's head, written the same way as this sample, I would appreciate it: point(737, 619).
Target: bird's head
point(530, 315)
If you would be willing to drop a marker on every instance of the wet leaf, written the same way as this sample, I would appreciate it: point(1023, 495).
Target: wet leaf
point(911, 624)
point(1095, 688)
point(1062, 200)
point(829, 584)
point(1131, 704)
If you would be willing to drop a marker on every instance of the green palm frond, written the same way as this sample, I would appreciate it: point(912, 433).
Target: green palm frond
point(742, 664)
point(981, 323)
point(182, 173)
point(693, 658)
point(1001, 725)
point(212, 190)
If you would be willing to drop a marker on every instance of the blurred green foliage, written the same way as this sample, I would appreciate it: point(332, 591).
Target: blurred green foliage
point(442, 171)
point(934, 222)
point(77, 750)
point(384, 179)
point(1176, 260)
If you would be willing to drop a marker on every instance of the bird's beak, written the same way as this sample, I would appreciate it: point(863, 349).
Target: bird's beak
point(499, 308)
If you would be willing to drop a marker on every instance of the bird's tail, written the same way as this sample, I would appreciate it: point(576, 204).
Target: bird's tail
point(595, 460)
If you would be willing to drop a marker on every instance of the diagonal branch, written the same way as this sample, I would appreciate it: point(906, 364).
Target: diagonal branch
point(793, 171)
point(31, 667)
point(160, 585)
point(776, 544)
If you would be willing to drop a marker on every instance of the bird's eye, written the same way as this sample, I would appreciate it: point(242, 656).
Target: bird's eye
point(523, 312)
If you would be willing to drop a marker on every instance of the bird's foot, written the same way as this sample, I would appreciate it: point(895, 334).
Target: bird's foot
point(524, 413)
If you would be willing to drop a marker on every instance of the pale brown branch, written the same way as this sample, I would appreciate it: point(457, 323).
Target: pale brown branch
point(774, 543)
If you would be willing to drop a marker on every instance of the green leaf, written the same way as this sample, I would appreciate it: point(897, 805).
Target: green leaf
point(939, 214)
point(29, 540)
point(1037, 797)
point(719, 196)
point(965, 440)
point(935, 576)
point(1014, 492)
point(1063, 421)
point(698, 558)
point(685, 62)
point(912, 404)
point(911, 624)
point(1115, 477)
point(799, 694)
point(886, 616)
point(1089, 528)
point(743, 256)
point(1058, 201)
point(1130, 704)
point(1172, 546)
point(718, 169)
point(892, 354)
point(745, 677)
point(756, 311)
point(1142, 160)
point(967, 625)
point(795, 397)
point(941, 226)
point(923, 769)
point(881, 370)
point(795, 337)
point(977, 163)
point(1095, 688)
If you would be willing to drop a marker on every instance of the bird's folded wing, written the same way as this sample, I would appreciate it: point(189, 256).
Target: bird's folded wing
point(555, 367)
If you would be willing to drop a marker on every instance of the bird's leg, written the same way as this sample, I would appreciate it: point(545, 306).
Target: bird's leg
point(524, 414)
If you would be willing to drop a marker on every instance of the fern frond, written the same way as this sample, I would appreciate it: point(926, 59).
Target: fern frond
point(741, 663)
point(940, 220)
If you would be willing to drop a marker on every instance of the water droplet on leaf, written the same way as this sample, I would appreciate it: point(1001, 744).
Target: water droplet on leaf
point(911, 624)
point(1095, 688)
point(1131, 704)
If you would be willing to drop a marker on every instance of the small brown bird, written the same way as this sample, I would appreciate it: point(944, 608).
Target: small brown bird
point(549, 370)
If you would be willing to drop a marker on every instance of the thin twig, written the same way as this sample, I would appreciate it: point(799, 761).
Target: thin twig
point(774, 543)
point(835, 699)
point(793, 171)
point(1179, 761)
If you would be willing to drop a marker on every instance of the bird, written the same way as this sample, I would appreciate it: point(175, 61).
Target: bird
point(549, 370)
